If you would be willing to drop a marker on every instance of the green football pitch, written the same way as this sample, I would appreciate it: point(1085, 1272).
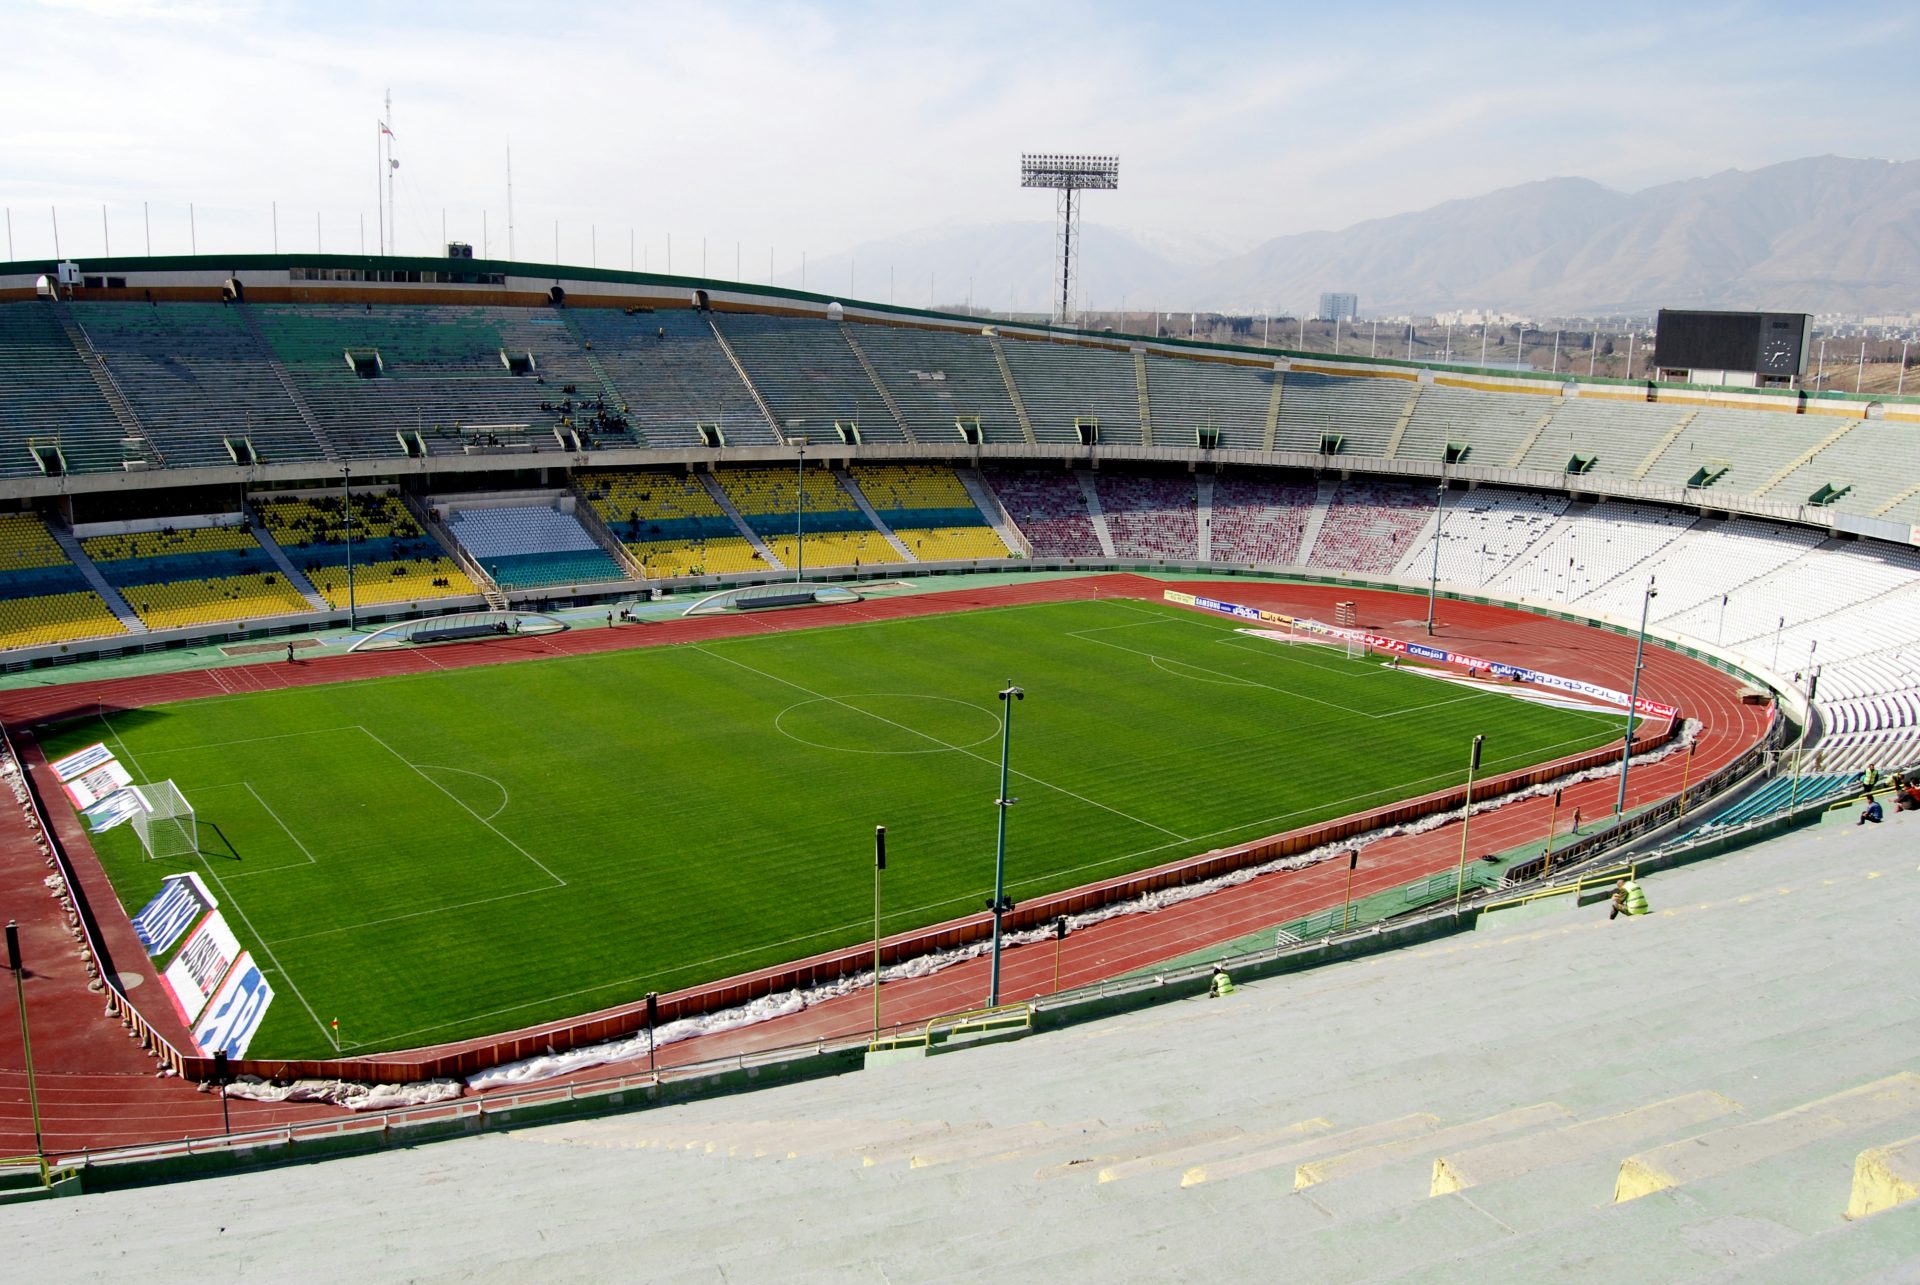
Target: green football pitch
point(453, 854)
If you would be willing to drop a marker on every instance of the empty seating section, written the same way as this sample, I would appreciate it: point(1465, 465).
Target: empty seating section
point(1617, 434)
point(175, 578)
point(1256, 520)
point(194, 374)
point(532, 546)
point(43, 597)
point(1049, 508)
point(1750, 446)
point(1061, 384)
point(928, 508)
point(1482, 532)
point(25, 544)
point(937, 377)
point(1825, 579)
point(1491, 425)
point(1370, 526)
point(809, 375)
point(1185, 395)
point(391, 558)
point(1150, 517)
point(837, 532)
point(673, 376)
point(47, 396)
point(1598, 556)
point(1869, 466)
point(1362, 411)
point(669, 523)
point(439, 372)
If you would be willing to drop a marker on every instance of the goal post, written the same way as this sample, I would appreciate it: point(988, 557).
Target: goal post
point(165, 821)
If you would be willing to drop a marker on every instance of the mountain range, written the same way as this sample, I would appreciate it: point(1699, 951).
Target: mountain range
point(1825, 234)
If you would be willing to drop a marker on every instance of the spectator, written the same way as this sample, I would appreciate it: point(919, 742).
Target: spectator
point(1906, 797)
point(1871, 812)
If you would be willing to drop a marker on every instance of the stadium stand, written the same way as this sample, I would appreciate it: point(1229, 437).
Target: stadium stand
point(928, 509)
point(1259, 520)
point(809, 376)
point(1484, 529)
point(47, 397)
point(196, 374)
point(1150, 516)
point(392, 559)
point(672, 375)
point(1063, 385)
point(669, 523)
point(177, 577)
point(1859, 466)
point(1225, 396)
point(1494, 428)
point(1616, 435)
point(1361, 412)
point(941, 377)
point(1049, 508)
point(369, 374)
point(532, 546)
point(1715, 439)
point(1370, 526)
point(837, 533)
point(44, 598)
point(1599, 554)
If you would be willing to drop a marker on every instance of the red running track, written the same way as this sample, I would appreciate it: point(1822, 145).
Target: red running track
point(98, 1089)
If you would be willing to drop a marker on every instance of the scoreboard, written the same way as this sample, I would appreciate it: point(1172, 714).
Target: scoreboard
point(1748, 349)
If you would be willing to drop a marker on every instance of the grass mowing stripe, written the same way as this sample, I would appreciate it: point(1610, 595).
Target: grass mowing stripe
point(710, 818)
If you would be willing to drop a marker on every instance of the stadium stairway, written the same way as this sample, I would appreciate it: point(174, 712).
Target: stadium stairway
point(1203, 514)
point(122, 611)
point(295, 577)
point(995, 512)
point(1463, 1111)
point(1101, 530)
point(861, 502)
point(1322, 501)
point(719, 494)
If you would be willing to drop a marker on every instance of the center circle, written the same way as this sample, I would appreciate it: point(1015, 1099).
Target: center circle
point(888, 723)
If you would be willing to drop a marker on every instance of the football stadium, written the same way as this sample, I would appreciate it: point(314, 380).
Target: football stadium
point(669, 750)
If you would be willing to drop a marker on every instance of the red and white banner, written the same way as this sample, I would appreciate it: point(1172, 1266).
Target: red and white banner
point(196, 972)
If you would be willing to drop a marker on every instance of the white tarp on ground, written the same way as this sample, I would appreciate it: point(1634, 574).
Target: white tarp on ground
point(354, 1097)
point(547, 1066)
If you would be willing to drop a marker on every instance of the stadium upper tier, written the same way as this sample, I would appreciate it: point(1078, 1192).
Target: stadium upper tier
point(96, 386)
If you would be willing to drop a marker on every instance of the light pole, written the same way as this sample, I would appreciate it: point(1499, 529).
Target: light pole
point(1466, 816)
point(879, 864)
point(346, 494)
point(1000, 905)
point(1439, 520)
point(799, 508)
point(1900, 389)
point(1346, 914)
point(26, 1042)
point(1633, 698)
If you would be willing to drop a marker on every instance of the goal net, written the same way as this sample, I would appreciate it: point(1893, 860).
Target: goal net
point(1345, 617)
point(165, 821)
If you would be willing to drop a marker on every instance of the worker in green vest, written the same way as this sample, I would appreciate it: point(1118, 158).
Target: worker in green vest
point(1221, 985)
point(1628, 898)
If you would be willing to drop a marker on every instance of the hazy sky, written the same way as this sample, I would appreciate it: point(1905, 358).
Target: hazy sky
point(784, 126)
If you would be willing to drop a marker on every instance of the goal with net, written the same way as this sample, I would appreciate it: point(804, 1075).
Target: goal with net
point(165, 821)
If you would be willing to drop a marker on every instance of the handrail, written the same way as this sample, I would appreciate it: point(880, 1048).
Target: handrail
point(973, 1019)
point(1579, 885)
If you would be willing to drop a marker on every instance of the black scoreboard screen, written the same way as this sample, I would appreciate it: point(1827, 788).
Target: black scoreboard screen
point(1769, 344)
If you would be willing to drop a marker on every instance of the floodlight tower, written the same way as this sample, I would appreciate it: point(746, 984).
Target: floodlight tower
point(1067, 175)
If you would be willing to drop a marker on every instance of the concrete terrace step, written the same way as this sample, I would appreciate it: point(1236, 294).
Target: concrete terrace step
point(1511, 1157)
point(1313, 1173)
point(1884, 1177)
point(1746, 1144)
point(1238, 1164)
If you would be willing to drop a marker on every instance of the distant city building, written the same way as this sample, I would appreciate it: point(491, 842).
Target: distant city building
point(1480, 317)
point(1337, 306)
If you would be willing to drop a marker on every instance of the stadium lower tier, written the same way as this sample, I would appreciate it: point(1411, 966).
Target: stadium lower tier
point(835, 549)
point(385, 582)
point(182, 603)
point(942, 544)
point(723, 555)
point(55, 618)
